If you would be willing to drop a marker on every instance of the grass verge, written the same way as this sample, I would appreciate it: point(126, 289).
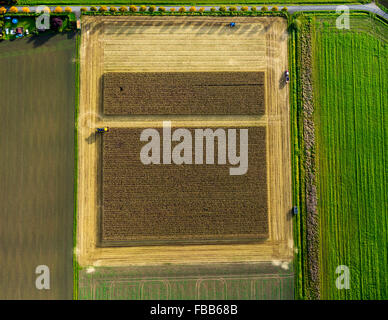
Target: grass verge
point(350, 116)
point(77, 93)
point(351, 140)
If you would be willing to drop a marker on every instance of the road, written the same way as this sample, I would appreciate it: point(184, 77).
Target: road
point(370, 7)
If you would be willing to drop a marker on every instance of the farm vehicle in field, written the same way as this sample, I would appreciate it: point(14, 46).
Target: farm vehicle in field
point(102, 130)
point(287, 76)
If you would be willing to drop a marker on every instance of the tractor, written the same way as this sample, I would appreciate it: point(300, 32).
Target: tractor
point(232, 24)
point(102, 130)
point(287, 76)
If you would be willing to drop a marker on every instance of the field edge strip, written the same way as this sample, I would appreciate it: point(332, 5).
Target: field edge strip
point(76, 266)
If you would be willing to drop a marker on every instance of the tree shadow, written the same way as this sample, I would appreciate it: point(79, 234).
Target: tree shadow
point(41, 39)
point(91, 139)
point(282, 81)
point(290, 214)
point(71, 34)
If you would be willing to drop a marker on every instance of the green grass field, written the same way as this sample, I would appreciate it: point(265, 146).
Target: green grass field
point(351, 94)
point(170, 282)
point(184, 2)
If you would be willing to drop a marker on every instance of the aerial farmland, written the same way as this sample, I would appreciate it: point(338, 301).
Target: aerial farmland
point(37, 170)
point(124, 205)
point(213, 206)
point(185, 93)
point(206, 152)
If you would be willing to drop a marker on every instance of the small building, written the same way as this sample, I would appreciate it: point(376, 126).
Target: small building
point(19, 30)
point(78, 24)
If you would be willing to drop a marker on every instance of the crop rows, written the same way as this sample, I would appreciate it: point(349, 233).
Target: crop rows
point(218, 93)
point(240, 281)
point(37, 144)
point(189, 202)
point(351, 132)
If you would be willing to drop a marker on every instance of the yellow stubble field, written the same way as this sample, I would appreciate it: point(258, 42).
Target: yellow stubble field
point(183, 44)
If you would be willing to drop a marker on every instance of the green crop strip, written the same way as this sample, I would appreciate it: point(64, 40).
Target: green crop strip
point(77, 95)
point(350, 94)
point(351, 110)
point(295, 147)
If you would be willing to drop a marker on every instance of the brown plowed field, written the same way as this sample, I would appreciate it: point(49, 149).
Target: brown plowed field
point(188, 203)
point(212, 93)
point(38, 96)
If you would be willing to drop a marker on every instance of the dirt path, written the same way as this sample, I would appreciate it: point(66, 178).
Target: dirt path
point(184, 44)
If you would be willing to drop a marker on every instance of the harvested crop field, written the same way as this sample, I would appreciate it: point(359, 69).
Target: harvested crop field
point(188, 203)
point(214, 93)
point(156, 44)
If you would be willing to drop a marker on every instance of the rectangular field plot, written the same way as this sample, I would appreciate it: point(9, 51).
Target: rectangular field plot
point(209, 93)
point(351, 156)
point(133, 214)
point(168, 44)
point(157, 203)
point(38, 95)
point(252, 281)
